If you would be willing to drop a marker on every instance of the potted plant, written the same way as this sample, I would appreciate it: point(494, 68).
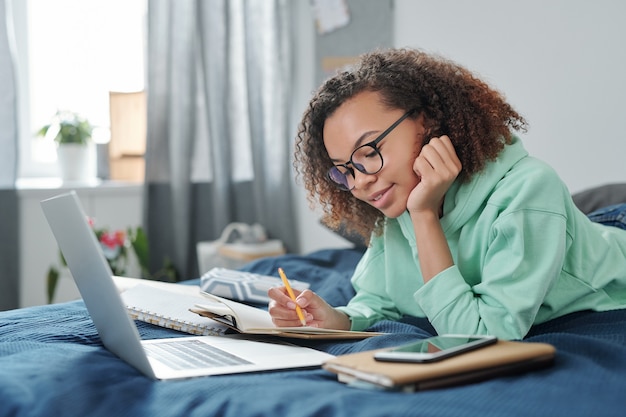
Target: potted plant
point(72, 133)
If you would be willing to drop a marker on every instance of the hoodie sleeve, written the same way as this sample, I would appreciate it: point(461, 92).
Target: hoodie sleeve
point(371, 303)
point(522, 262)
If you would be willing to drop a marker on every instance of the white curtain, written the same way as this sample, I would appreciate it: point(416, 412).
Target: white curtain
point(218, 88)
point(9, 232)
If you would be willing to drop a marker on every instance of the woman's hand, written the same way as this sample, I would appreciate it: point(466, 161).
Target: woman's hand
point(437, 166)
point(317, 312)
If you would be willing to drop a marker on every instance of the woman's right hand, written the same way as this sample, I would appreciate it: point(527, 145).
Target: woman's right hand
point(317, 312)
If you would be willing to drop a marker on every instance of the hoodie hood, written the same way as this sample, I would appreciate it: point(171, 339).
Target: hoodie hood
point(464, 199)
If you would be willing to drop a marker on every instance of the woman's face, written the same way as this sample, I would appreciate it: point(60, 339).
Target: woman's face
point(361, 120)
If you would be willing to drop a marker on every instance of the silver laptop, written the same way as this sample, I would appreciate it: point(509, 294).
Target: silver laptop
point(171, 358)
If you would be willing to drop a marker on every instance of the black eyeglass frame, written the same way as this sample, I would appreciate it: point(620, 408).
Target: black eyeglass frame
point(374, 145)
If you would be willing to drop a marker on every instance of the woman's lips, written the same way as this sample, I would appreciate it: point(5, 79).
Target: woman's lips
point(379, 198)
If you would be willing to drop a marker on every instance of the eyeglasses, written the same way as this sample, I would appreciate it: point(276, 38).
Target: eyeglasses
point(366, 159)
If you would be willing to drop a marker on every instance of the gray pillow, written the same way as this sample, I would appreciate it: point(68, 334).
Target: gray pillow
point(601, 196)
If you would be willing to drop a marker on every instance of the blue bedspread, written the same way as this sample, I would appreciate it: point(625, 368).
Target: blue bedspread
point(52, 363)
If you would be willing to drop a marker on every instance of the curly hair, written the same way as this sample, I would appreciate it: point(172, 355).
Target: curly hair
point(453, 101)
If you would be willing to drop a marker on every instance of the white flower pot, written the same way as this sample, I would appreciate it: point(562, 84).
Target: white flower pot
point(74, 161)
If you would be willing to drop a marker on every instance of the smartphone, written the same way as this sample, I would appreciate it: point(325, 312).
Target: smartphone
point(435, 348)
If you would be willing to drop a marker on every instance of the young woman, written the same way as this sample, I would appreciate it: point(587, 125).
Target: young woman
point(418, 155)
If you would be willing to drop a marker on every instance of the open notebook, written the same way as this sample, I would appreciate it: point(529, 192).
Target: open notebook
point(169, 308)
point(251, 320)
point(181, 357)
point(198, 312)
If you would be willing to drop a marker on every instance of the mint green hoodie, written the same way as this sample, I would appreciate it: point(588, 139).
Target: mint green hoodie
point(523, 254)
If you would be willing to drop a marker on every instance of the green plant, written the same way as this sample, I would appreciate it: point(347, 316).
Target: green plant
point(139, 242)
point(67, 127)
point(115, 247)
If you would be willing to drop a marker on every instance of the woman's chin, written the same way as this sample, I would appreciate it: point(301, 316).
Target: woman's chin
point(393, 212)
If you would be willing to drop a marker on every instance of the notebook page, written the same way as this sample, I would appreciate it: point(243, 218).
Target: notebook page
point(246, 316)
point(169, 309)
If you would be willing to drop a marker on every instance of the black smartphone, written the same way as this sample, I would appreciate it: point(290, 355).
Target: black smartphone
point(434, 348)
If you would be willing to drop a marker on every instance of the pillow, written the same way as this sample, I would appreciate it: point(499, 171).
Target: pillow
point(602, 196)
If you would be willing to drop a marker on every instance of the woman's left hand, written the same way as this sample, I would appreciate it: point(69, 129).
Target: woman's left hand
point(437, 166)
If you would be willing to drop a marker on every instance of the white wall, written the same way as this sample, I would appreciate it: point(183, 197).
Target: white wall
point(561, 64)
point(313, 236)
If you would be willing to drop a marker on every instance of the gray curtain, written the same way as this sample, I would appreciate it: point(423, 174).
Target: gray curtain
point(9, 221)
point(218, 89)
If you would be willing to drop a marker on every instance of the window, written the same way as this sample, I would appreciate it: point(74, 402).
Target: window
point(71, 55)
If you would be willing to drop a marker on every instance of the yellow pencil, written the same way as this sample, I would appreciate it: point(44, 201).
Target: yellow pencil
point(292, 295)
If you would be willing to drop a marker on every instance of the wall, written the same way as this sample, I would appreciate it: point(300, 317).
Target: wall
point(313, 236)
point(561, 63)
point(319, 55)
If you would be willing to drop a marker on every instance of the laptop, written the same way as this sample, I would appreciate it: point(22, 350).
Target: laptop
point(171, 358)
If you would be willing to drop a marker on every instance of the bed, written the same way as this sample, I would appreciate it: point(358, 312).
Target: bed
point(53, 363)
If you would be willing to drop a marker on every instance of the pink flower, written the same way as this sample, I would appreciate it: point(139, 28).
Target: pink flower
point(113, 240)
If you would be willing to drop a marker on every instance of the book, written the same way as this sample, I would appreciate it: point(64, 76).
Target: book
point(502, 358)
point(188, 309)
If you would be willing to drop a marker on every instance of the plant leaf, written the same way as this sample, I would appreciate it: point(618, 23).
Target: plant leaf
point(139, 242)
point(51, 283)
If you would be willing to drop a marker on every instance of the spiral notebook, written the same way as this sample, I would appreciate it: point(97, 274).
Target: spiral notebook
point(169, 309)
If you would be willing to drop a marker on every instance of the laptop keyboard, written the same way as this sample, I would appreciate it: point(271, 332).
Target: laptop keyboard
point(192, 354)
